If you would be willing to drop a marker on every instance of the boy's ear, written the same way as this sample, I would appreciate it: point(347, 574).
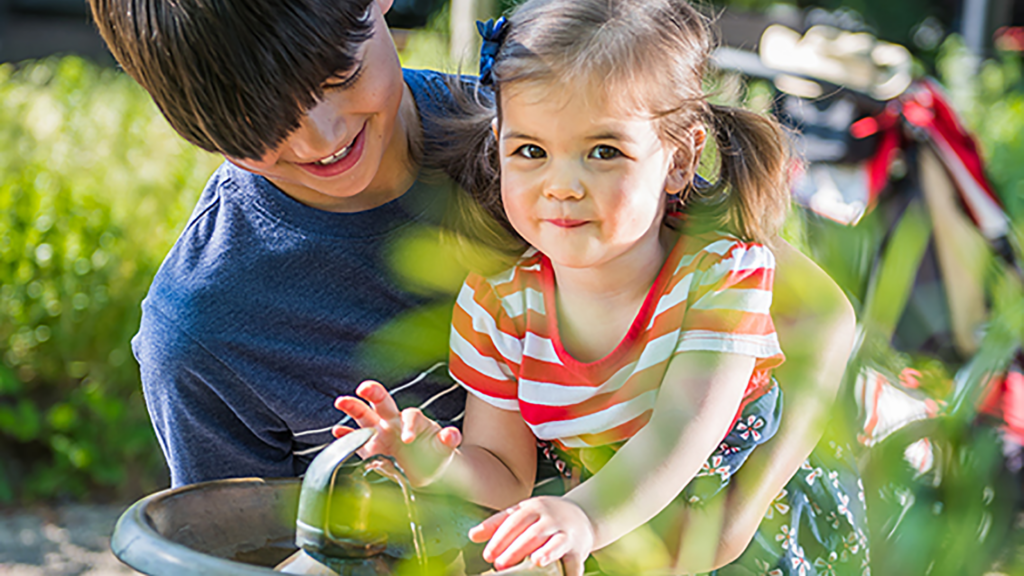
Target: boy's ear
point(384, 5)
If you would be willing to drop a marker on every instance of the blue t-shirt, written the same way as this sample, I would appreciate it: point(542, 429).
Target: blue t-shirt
point(266, 309)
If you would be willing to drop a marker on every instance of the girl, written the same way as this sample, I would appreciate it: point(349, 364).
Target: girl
point(634, 341)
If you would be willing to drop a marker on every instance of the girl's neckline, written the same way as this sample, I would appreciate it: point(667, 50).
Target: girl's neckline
point(637, 327)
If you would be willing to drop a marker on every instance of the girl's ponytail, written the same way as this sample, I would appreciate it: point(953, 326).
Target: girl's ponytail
point(753, 162)
point(463, 148)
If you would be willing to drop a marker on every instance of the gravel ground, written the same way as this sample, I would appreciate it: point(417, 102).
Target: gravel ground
point(69, 540)
point(74, 540)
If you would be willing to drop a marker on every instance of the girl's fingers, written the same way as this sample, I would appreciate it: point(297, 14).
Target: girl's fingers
point(516, 523)
point(450, 437)
point(415, 424)
point(378, 397)
point(339, 431)
point(572, 565)
point(529, 541)
point(484, 530)
point(552, 550)
point(358, 410)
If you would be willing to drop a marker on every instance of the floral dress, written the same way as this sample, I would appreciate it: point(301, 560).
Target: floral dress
point(817, 526)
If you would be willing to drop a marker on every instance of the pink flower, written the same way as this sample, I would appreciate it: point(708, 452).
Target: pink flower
point(826, 567)
point(778, 504)
point(715, 466)
point(727, 449)
point(750, 427)
point(766, 569)
point(787, 537)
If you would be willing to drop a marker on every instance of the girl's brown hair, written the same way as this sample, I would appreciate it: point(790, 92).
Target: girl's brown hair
point(654, 54)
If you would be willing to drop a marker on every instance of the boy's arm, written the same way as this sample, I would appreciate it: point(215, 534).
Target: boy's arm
point(816, 327)
point(202, 434)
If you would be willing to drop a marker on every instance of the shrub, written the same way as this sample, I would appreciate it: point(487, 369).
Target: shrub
point(94, 187)
point(990, 96)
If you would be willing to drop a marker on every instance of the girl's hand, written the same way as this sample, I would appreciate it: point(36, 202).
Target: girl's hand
point(544, 529)
point(420, 446)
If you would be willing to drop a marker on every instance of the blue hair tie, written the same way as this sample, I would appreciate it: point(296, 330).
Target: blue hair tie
point(493, 32)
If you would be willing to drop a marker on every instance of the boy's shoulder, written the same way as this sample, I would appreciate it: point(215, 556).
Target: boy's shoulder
point(213, 251)
point(436, 87)
point(436, 101)
point(432, 90)
point(248, 248)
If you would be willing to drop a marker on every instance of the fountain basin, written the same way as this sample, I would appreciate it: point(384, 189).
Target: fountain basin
point(246, 526)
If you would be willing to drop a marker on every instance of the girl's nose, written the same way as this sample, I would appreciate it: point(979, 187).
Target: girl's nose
point(564, 183)
point(320, 133)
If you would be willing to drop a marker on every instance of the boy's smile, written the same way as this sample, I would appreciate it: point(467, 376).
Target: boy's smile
point(351, 150)
point(340, 161)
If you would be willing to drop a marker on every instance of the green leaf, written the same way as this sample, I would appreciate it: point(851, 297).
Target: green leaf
point(21, 421)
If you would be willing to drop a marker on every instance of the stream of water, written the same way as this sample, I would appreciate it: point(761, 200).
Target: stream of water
point(386, 467)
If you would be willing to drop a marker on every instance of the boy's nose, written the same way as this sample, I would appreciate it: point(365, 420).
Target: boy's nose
point(321, 133)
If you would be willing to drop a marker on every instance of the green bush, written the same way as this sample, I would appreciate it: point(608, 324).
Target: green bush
point(94, 187)
point(992, 104)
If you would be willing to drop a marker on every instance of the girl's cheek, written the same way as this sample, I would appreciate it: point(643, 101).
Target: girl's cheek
point(513, 185)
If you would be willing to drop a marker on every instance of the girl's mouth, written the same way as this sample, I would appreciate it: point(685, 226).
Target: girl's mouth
point(340, 161)
point(566, 222)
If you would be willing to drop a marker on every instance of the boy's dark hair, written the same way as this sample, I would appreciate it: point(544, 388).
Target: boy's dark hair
point(234, 76)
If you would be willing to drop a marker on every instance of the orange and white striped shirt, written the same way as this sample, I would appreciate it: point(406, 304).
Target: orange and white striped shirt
point(712, 294)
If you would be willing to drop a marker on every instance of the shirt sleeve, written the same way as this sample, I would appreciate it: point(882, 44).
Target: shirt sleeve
point(729, 305)
point(208, 422)
point(485, 351)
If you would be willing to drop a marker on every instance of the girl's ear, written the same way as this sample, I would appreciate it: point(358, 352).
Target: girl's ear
point(686, 161)
point(677, 180)
point(699, 136)
point(494, 128)
point(384, 5)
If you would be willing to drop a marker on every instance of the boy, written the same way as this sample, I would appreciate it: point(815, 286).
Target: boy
point(260, 314)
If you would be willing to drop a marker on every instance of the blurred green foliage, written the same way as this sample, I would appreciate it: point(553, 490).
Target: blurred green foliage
point(94, 187)
point(990, 96)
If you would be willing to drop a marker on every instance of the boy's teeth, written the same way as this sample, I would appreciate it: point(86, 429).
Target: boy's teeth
point(334, 157)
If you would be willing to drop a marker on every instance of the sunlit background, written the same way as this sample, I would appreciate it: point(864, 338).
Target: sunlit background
point(95, 187)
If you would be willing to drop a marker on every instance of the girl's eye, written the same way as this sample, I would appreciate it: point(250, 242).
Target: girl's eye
point(604, 152)
point(530, 151)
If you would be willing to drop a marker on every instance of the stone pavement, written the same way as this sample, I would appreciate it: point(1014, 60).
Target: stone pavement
point(71, 540)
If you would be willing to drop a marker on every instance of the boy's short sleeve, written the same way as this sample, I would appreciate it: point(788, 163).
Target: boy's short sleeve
point(209, 423)
point(485, 350)
point(729, 304)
